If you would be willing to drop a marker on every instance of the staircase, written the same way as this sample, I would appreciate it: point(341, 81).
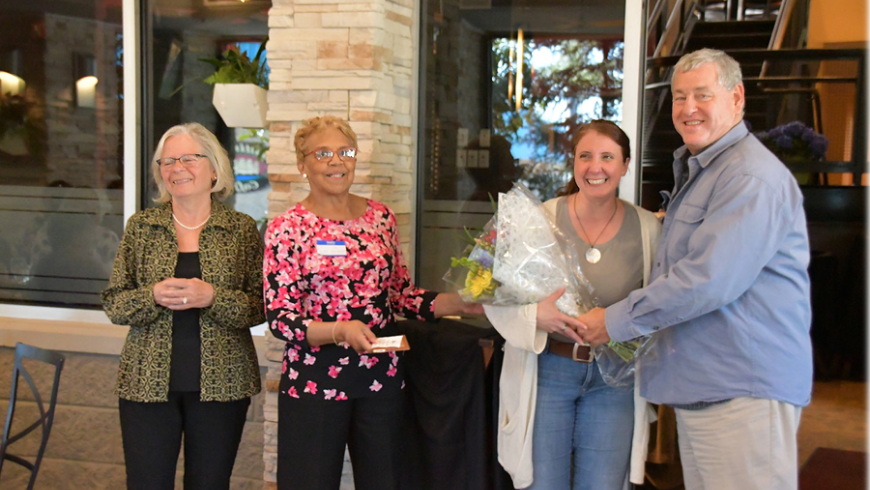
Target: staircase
point(728, 36)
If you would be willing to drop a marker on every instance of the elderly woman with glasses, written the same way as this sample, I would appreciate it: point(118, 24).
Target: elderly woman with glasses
point(187, 280)
point(335, 280)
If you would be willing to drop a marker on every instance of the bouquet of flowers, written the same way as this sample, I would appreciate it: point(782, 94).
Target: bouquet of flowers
point(521, 257)
point(478, 285)
point(795, 142)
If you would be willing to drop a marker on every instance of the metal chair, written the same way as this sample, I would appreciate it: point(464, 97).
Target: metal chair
point(24, 351)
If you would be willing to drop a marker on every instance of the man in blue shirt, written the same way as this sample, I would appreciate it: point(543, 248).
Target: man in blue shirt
point(729, 302)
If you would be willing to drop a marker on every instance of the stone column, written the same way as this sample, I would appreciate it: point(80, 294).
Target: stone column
point(351, 59)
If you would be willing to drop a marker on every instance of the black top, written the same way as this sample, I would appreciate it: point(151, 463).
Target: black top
point(186, 357)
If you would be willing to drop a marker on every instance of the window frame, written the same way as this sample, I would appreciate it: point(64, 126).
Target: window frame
point(131, 28)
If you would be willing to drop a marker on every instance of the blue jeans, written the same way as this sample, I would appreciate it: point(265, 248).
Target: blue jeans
point(579, 418)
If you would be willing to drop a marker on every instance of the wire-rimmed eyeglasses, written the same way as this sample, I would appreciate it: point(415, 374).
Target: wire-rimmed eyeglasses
point(186, 160)
point(346, 154)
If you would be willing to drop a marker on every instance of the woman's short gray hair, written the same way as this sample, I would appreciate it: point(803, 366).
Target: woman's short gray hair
point(726, 67)
point(211, 148)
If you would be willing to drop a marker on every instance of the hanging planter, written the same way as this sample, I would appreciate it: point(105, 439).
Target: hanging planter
point(240, 86)
point(241, 105)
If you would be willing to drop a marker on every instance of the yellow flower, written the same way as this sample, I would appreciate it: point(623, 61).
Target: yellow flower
point(478, 283)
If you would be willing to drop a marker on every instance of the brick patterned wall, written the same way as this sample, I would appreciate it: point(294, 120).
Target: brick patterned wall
point(351, 59)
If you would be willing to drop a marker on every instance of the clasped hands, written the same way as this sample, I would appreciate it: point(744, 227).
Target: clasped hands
point(182, 294)
point(587, 328)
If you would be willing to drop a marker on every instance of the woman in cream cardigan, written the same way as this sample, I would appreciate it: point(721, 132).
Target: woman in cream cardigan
point(555, 408)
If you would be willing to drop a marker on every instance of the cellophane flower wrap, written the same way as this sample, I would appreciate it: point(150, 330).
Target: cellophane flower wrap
point(518, 259)
point(521, 257)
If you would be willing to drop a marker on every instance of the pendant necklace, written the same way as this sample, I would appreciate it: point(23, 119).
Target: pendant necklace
point(593, 255)
point(192, 228)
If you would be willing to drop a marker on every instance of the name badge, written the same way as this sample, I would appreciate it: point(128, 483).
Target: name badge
point(331, 248)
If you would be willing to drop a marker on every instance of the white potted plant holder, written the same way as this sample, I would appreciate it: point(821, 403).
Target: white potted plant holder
point(241, 105)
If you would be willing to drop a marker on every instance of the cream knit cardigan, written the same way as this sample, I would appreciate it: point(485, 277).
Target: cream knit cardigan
point(519, 376)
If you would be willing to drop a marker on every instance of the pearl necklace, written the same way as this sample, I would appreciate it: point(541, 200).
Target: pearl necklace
point(191, 228)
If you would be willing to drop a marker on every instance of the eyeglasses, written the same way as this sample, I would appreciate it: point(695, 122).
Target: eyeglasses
point(344, 154)
point(186, 160)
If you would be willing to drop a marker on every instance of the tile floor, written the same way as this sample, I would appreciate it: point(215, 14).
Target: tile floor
point(835, 418)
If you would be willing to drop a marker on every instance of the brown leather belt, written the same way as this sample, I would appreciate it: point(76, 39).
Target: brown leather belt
point(575, 352)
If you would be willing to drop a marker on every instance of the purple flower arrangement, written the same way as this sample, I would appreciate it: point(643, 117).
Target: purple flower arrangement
point(795, 141)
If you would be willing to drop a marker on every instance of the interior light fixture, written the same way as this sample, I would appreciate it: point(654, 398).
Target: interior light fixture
point(519, 89)
point(11, 70)
point(85, 76)
point(510, 69)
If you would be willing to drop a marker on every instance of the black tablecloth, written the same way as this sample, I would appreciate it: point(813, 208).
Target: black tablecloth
point(451, 408)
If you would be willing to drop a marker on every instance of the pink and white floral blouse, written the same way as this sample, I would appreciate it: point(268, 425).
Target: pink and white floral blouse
point(304, 283)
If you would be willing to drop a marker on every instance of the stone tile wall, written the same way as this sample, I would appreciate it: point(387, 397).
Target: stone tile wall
point(83, 143)
point(351, 59)
point(84, 450)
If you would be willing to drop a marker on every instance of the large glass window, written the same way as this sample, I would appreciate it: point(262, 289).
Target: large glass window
point(506, 82)
point(61, 150)
point(175, 92)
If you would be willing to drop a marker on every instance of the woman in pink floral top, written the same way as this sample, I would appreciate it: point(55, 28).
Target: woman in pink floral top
point(334, 280)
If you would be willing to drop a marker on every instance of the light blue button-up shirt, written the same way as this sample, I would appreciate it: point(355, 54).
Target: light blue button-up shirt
point(729, 300)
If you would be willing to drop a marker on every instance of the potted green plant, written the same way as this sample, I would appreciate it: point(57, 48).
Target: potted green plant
point(240, 86)
point(20, 132)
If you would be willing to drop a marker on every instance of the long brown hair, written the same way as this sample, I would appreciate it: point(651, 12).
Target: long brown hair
point(604, 128)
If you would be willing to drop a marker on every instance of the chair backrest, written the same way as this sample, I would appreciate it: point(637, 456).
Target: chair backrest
point(46, 416)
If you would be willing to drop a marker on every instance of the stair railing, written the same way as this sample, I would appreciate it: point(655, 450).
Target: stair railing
point(859, 161)
point(738, 9)
point(784, 21)
point(675, 34)
point(780, 27)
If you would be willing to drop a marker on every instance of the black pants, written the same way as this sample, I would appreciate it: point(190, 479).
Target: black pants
point(152, 438)
point(312, 435)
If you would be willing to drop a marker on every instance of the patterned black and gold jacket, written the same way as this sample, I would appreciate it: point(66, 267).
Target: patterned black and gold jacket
point(231, 258)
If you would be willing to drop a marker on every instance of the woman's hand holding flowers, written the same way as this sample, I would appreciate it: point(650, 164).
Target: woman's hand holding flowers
point(550, 319)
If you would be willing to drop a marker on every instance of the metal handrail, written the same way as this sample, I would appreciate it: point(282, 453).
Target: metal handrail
point(672, 23)
point(779, 29)
point(680, 22)
point(654, 14)
point(781, 26)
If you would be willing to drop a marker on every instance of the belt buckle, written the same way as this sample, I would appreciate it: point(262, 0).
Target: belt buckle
point(585, 361)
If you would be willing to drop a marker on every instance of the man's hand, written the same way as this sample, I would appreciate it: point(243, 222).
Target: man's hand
point(596, 331)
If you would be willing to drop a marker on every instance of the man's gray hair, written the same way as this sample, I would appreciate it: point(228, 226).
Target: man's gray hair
point(727, 68)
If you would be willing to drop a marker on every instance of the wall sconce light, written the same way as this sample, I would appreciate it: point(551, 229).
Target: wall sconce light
point(10, 72)
point(85, 76)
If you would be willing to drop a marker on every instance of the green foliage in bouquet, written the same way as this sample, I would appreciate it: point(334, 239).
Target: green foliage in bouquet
point(478, 281)
point(625, 350)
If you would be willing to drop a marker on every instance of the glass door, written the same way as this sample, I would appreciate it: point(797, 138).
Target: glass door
point(504, 84)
